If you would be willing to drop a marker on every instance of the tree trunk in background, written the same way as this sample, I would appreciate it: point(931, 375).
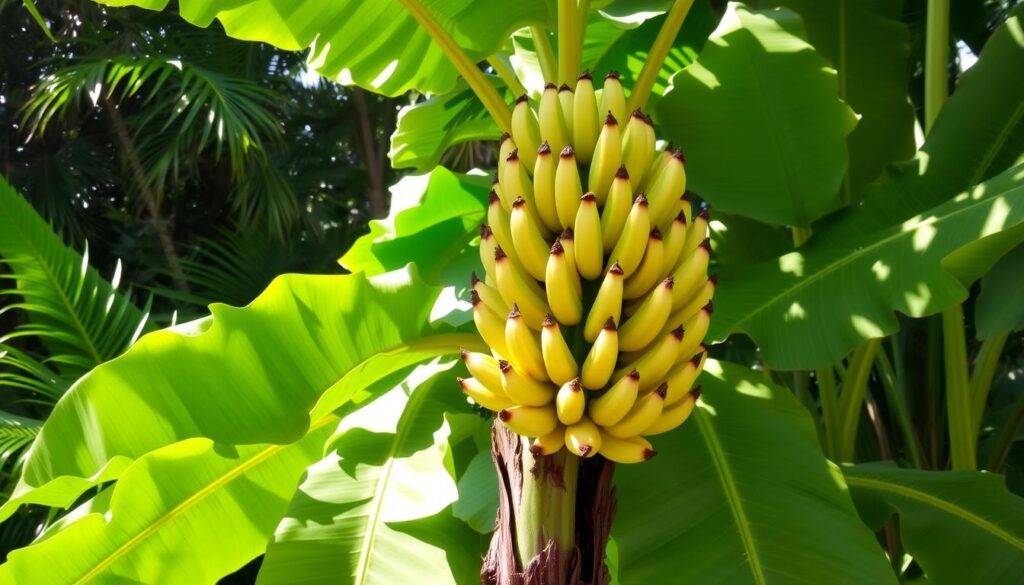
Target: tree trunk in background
point(372, 153)
point(162, 227)
point(544, 483)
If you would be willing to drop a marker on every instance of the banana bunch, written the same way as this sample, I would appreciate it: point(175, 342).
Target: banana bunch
point(596, 297)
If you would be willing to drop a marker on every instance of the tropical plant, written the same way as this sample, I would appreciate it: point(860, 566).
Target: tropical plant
point(320, 426)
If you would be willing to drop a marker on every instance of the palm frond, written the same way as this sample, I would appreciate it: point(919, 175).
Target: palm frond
point(16, 432)
point(79, 317)
point(21, 371)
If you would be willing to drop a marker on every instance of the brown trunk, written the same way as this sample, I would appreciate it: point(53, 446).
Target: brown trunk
point(149, 198)
point(371, 154)
point(594, 512)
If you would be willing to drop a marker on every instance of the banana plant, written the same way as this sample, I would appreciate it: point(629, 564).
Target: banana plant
point(322, 427)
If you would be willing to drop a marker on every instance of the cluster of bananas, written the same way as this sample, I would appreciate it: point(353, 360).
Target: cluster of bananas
point(595, 303)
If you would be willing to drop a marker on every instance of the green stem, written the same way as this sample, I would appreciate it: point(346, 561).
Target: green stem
point(936, 61)
point(568, 41)
point(656, 56)
point(1007, 436)
point(582, 14)
point(545, 54)
point(958, 398)
point(547, 508)
point(855, 386)
point(895, 396)
point(932, 391)
point(826, 378)
point(477, 81)
point(985, 367)
point(504, 70)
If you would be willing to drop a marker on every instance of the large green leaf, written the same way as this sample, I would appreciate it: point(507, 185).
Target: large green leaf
point(307, 346)
point(376, 45)
point(81, 318)
point(760, 121)
point(384, 493)
point(810, 307)
point(189, 512)
point(961, 526)
point(433, 218)
point(1000, 306)
point(742, 494)
point(868, 46)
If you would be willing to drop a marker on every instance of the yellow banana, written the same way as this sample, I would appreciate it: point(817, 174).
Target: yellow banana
point(498, 220)
point(600, 361)
point(505, 147)
point(607, 159)
point(613, 98)
point(490, 326)
point(583, 438)
point(657, 165)
point(529, 421)
point(524, 346)
point(681, 377)
point(529, 244)
point(699, 300)
point(544, 188)
point(629, 250)
point(558, 360)
point(550, 443)
point(586, 119)
point(629, 450)
point(521, 388)
point(643, 414)
point(696, 328)
point(565, 100)
point(587, 232)
point(665, 191)
point(674, 415)
point(569, 402)
point(484, 396)
point(616, 209)
point(649, 272)
point(484, 368)
point(568, 241)
point(690, 275)
point(552, 124)
point(697, 232)
point(517, 184)
point(487, 245)
point(525, 130)
point(568, 189)
point(488, 294)
point(562, 287)
point(607, 304)
point(517, 287)
point(674, 240)
point(640, 329)
point(610, 407)
point(638, 146)
point(655, 362)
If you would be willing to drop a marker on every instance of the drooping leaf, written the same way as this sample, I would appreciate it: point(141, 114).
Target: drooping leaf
point(307, 346)
point(376, 45)
point(1000, 306)
point(810, 307)
point(433, 218)
point(755, 146)
point(868, 46)
point(741, 493)
point(946, 517)
point(477, 505)
point(189, 512)
point(377, 509)
point(82, 319)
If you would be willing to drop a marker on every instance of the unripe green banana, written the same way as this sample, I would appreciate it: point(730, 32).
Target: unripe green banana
point(600, 360)
point(550, 443)
point(616, 209)
point(484, 368)
point(565, 100)
point(524, 345)
point(629, 250)
point(484, 396)
point(521, 388)
point(607, 159)
point(518, 288)
point(659, 163)
point(525, 130)
point(613, 98)
point(640, 329)
point(587, 230)
point(586, 118)
point(552, 125)
point(558, 360)
point(570, 402)
point(610, 407)
point(568, 189)
point(644, 413)
point(583, 438)
point(563, 293)
point(629, 450)
point(529, 421)
point(638, 146)
point(648, 273)
point(674, 415)
point(529, 244)
point(544, 188)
